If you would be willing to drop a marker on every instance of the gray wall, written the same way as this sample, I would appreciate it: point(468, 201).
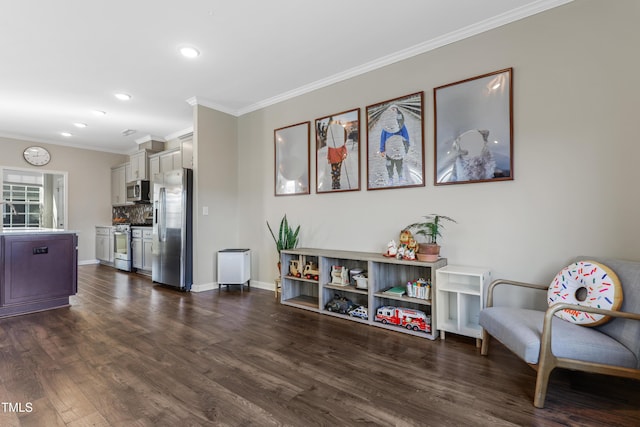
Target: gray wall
point(89, 184)
point(215, 157)
point(576, 90)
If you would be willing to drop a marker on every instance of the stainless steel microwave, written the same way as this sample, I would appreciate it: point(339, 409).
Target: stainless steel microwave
point(138, 192)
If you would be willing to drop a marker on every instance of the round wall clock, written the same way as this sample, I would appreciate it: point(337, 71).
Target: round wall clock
point(37, 156)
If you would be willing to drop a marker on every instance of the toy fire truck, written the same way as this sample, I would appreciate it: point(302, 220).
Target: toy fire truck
point(404, 317)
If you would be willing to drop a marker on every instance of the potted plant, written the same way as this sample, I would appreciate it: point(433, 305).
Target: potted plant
point(431, 229)
point(287, 237)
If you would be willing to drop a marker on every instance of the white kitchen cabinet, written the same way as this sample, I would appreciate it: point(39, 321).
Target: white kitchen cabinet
point(147, 257)
point(138, 165)
point(154, 166)
point(141, 241)
point(104, 244)
point(461, 294)
point(127, 173)
point(136, 248)
point(172, 159)
point(186, 151)
point(119, 185)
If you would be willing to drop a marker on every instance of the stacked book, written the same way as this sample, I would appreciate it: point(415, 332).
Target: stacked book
point(396, 291)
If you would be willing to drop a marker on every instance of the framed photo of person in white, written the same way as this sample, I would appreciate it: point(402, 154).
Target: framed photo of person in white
point(474, 129)
point(395, 143)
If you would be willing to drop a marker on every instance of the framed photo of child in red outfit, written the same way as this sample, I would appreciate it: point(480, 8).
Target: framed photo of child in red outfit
point(292, 159)
point(395, 143)
point(338, 152)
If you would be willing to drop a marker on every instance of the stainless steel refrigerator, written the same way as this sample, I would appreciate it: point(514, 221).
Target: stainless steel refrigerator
point(172, 247)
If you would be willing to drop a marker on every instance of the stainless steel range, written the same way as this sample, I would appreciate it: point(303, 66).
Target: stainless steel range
point(122, 247)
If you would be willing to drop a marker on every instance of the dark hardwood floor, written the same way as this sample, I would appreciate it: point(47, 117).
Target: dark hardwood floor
point(128, 353)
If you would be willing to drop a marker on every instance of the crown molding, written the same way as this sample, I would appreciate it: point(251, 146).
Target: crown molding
point(452, 37)
point(27, 139)
point(195, 100)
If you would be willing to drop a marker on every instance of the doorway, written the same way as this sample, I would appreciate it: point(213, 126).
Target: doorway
point(34, 199)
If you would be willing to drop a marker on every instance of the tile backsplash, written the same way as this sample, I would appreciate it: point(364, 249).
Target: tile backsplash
point(133, 214)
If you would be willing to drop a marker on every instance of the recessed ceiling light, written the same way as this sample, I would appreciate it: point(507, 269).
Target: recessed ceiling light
point(80, 125)
point(99, 113)
point(128, 132)
point(189, 52)
point(66, 134)
point(123, 96)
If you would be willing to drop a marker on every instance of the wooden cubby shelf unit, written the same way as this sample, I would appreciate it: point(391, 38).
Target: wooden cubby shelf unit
point(382, 273)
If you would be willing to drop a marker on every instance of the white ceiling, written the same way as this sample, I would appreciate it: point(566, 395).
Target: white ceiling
point(63, 59)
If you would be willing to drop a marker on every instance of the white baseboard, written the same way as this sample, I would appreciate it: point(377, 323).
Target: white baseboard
point(214, 285)
point(263, 285)
point(203, 287)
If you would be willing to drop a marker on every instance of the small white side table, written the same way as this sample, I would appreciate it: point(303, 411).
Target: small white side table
point(460, 295)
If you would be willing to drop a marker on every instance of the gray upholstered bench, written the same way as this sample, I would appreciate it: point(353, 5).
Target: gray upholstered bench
point(546, 342)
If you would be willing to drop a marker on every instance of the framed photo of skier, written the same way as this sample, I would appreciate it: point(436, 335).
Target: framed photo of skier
point(474, 129)
point(292, 159)
point(338, 152)
point(395, 143)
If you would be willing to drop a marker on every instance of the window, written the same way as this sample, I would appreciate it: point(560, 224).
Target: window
point(34, 198)
point(27, 202)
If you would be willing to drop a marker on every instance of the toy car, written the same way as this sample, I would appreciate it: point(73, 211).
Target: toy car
point(294, 268)
point(360, 311)
point(311, 271)
point(339, 305)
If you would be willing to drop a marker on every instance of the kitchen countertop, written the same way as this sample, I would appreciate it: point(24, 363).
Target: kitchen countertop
point(32, 231)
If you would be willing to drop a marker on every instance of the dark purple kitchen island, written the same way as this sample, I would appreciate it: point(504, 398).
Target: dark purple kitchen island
point(38, 270)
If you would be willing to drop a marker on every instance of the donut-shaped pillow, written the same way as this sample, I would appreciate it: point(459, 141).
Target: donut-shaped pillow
point(586, 283)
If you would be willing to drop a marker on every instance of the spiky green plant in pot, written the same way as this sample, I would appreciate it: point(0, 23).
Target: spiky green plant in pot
point(287, 236)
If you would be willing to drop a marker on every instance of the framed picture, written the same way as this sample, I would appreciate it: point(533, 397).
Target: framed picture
point(292, 159)
point(338, 152)
point(395, 143)
point(474, 129)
